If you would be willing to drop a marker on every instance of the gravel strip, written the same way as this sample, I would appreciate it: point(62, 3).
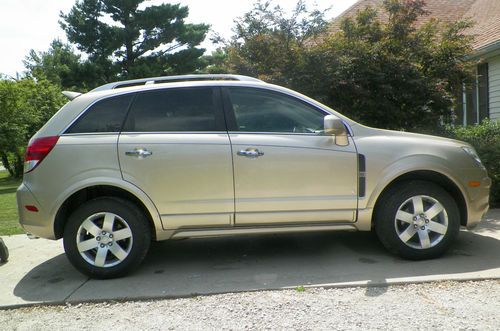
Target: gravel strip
point(445, 305)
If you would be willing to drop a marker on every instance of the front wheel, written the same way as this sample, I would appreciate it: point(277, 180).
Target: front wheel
point(417, 220)
point(106, 237)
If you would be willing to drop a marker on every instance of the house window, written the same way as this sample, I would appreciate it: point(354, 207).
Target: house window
point(473, 107)
point(482, 92)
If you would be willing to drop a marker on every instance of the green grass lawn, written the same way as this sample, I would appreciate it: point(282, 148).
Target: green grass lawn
point(9, 223)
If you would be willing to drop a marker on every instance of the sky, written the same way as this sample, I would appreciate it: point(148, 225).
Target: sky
point(33, 24)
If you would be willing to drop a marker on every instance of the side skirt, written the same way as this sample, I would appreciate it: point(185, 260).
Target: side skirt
point(200, 233)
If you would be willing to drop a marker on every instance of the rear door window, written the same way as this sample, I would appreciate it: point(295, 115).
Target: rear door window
point(104, 116)
point(176, 110)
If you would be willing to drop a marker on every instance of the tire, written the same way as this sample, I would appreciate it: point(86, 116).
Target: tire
point(107, 238)
point(4, 252)
point(417, 220)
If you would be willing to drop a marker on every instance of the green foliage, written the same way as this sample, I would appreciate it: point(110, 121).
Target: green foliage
point(486, 140)
point(25, 105)
point(215, 63)
point(62, 66)
point(269, 45)
point(9, 220)
point(300, 288)
point(139, 42)
point(391, 74)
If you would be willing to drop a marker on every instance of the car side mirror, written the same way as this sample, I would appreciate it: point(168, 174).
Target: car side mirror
point(335, 127)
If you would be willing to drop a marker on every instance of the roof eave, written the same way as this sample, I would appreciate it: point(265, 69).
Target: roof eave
point(488, 50)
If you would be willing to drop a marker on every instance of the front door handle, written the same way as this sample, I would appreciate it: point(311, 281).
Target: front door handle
point(140, 153)
point(250, 152)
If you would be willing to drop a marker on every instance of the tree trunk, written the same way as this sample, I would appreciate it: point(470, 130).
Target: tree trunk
point(6, 163)
point(19, 166)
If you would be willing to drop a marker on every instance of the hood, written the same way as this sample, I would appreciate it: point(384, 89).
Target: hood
point(364, 131)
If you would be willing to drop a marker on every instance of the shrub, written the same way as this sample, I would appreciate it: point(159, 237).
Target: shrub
point(25, 105)
point(485, 138)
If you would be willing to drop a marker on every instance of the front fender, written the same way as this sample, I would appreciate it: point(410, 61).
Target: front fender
point(405, 165)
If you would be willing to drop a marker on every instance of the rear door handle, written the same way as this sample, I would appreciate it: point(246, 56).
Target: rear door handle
point(250, 152)
point(140, 153)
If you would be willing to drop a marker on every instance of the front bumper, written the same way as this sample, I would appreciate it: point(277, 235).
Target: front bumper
point(478, 203)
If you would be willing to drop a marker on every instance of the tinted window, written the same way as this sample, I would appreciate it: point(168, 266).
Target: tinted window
point(104, 116)
point(188, 109)
point(262, 111)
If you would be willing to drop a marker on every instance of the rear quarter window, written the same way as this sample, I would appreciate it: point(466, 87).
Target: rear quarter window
point(174, 110)
point(105, 115)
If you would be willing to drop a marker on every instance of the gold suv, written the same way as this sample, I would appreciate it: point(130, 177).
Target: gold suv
point(215, 155)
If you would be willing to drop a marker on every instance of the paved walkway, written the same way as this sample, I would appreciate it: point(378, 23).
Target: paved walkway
point(38, 271)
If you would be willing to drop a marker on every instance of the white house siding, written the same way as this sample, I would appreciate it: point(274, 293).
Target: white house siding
point(494, 86)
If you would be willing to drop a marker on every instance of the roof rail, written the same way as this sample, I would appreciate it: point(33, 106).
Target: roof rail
point(173, 79)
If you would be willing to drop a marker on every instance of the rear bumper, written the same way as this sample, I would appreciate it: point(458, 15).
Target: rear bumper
point(38, 223)
point(478, 203)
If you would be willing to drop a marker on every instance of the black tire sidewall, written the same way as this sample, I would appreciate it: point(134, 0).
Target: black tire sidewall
point(388, 206)
point(131, 214)
point(4, 252)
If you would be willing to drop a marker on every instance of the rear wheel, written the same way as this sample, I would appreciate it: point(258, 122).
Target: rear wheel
point(417, 220)
point(107, 237)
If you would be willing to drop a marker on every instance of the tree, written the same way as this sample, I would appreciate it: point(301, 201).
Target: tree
point(62, 66)
point(140, 42)
point(391, 74)
point(268, 43)
point(25, 105)
point(215, 63)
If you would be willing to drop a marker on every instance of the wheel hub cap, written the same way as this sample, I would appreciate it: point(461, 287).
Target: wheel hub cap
point(105, 239)
point(420, 221)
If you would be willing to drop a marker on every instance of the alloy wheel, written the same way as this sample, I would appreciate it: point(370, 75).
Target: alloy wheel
point(421, 222)
point(104, 239)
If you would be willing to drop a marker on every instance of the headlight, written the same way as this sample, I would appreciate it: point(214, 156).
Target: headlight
point(473, 154)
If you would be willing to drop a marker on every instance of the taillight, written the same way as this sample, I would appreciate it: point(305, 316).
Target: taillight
point(37, 150)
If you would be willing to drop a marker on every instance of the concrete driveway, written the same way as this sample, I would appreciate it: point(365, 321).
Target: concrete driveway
point(38, 271)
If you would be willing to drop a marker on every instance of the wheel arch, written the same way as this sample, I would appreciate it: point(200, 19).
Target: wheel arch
point(95, 191)
point(431, 176)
